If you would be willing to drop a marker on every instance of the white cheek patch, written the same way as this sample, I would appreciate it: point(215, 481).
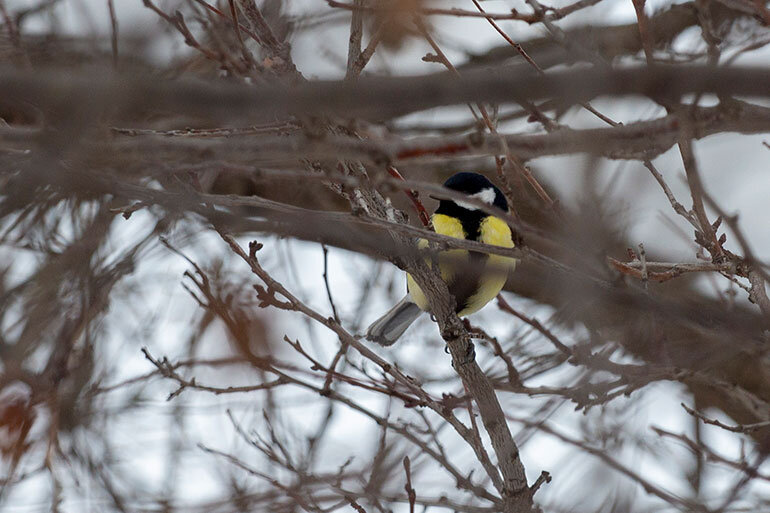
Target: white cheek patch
point(487, 196)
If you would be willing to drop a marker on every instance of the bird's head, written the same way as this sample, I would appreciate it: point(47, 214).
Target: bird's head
point(477, 187)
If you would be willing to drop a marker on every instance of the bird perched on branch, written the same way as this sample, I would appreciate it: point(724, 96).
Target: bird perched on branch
point(473, 278)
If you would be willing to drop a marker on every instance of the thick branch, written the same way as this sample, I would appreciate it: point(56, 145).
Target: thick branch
point(640, 140)
point(380, 97)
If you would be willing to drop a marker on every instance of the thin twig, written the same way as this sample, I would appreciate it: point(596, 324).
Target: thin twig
point(555, 14)
point(326, 281)
point(366, 54)
point(354, 41)
point(413, 197)
point(644, 32)
point(408, 486)
point(739, 428)
point(114, 32)
point(709, 238)
point(167, 370)
point(503, 304)
point(234, 20)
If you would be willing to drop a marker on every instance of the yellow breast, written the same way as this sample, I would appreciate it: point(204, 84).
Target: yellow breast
point(492, 231)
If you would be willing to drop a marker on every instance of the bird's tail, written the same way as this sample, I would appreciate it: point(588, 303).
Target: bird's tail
point(393, 324)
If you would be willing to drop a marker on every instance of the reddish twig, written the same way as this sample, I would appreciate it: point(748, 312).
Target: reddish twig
point(413, 196)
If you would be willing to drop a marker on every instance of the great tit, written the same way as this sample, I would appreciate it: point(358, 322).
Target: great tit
point(473, 278)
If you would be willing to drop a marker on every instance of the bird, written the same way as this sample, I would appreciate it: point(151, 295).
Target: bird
point(478, 278)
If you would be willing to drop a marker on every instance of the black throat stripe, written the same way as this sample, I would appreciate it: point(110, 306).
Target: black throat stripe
point(470, 219)
point(466, 284)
